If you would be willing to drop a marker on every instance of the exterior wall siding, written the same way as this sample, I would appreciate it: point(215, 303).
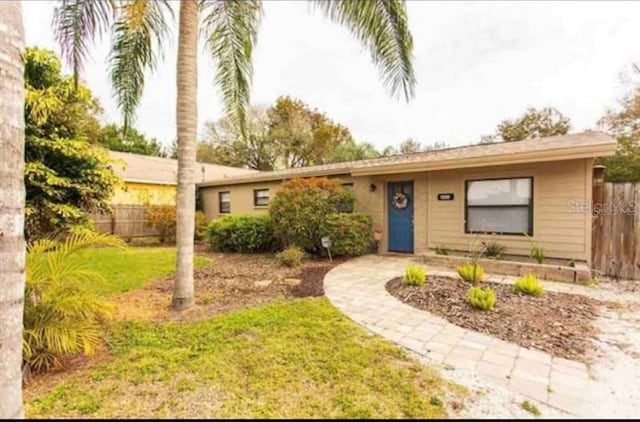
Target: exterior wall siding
point(562, 233)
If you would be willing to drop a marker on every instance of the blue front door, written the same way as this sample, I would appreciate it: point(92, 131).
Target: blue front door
point(400, 206)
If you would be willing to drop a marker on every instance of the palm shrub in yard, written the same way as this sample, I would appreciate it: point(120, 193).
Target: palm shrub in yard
point(243, 234)
point(350, 233)
point(63, 317)
point(301, 206)
point(415, 275)
point(480, 298)
point(528, 285)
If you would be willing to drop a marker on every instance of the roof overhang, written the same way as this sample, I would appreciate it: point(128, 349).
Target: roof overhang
point(571, 153)
point(602, 146)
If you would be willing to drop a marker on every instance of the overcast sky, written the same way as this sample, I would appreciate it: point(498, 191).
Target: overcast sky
point(476, 64)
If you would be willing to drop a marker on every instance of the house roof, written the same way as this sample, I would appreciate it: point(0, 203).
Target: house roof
point(164, 171)
point(563, 147)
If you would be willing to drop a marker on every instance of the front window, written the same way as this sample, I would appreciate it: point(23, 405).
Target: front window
point(261, 197)
point(500, 206)
point(225, 202)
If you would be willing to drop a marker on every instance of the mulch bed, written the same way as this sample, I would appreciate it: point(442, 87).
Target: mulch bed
point(558, 323)
point(231, 282)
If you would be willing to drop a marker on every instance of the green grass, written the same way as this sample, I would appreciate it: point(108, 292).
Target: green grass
point(301, 359)
point(128, 269)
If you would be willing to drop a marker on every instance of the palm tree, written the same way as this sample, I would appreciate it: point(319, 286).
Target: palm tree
point(12, 247)
point(230, 30)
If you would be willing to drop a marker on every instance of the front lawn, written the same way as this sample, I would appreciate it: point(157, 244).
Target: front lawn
point(301, 359)
point(127, 269)
point(255, 345)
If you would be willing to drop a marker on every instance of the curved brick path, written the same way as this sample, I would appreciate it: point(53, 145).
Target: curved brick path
point(357, 288)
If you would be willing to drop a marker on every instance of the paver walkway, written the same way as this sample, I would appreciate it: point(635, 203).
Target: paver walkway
point(357, 288)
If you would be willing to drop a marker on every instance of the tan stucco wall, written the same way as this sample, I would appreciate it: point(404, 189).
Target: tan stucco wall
point(562, 233)
point(241, 197)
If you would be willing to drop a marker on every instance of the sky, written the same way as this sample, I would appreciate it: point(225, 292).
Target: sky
point(476, 64)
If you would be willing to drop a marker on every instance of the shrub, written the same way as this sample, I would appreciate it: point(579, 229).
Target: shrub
point(471, 273)
point(301, 206)
point(63, 317)
point(442, 250)
point(528, 285)
point(350, 234)
point(492, 249)
point(415, 276)
point(242, 233)
point(290, 257)
point(163, 219)
point(483, 299)
point(537, 252)
point(200, 226)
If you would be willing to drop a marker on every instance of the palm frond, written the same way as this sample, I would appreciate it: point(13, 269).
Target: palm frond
point(138, 35)
point(230, 29)
point(76, 23)
point(382, 27)
point(63, 316)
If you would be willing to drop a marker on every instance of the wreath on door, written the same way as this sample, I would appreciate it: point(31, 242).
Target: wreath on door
point(400, 200)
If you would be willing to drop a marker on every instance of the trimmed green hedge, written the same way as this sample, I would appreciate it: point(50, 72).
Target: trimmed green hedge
point(351, 234)
point(242, 233)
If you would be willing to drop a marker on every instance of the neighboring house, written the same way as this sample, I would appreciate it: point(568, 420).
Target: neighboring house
point(153, 180)
point(452, 196)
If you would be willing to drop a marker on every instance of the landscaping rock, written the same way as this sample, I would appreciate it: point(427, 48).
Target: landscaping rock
point(262, 283)
point(291, 281)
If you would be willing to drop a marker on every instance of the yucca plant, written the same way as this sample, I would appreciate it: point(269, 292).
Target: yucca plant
point(537, 252)
point(63, 317)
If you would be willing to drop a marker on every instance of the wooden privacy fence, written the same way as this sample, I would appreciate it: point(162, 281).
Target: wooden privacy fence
point(126, 221)
point(616, 229)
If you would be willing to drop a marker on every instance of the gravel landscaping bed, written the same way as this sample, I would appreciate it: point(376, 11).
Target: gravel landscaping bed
point(558, 323)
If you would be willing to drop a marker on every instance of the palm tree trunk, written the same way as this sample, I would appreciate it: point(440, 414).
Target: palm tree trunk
point(187, 124)
point(12, 247)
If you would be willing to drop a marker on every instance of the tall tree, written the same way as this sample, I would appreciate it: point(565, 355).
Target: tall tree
point(624, 124)
point(66, 176)
point(351, 151)
point(303, 136)
point(225, 144)
point(12, 192)
point(532, 124)
point(230, 31)
point(129, 140)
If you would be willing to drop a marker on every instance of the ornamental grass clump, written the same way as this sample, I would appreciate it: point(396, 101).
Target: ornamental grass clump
point(471, 273)
point(415, 276)
point(480, 298)
point(528, 285)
